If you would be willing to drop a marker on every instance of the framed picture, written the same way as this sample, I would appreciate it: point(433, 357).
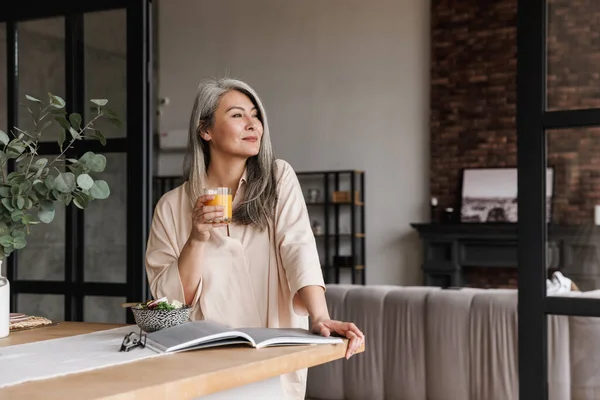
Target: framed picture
point(490, 195)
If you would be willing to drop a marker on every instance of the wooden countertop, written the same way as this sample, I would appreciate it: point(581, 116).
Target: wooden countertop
point(181, 375)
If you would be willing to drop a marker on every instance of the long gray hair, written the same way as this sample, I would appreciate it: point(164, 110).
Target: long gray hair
point(260, 195)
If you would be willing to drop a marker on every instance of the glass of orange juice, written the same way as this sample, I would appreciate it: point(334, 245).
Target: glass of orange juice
point(222, 198)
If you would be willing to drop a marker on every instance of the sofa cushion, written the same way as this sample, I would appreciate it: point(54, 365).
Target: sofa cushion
point(447, 343)
point(364, 306)
point(326, 382)
point(559, 364)
point(404, 337)
point(585, 354)
point(493, 345)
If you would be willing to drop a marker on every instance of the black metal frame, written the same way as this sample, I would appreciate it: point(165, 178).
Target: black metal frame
point(533, 120)
point(137, 145)
point(333, 232)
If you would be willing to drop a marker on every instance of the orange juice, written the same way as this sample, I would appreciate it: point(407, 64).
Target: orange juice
point(222, 198)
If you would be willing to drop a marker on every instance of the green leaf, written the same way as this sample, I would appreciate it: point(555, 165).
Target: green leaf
point(112, 116)
point(49, 182)
point(45, 216)
point(62, 136)
point(16, 233)
point(56, 101)
point(63, 122)
point(20, 202)
point(72, 160)
point(19, 242)
point(15, 177)
point(7, 204)
point(65, 182)
point(41, 188)
point(100, 190)
point(29, 219)
point(4, 139)
point(66, 198)
point(8, 250)
point(31, 98)
point(47, 205)
point(80, 200)
point(97, 163)
point(75, 119)
point(16, 215)
point(6, 240)
point(46, 126)
point(74, 133)
point(54, 195)
point(3, 157)
point(5, 191)
point(15, 148)
point(40, 163)
point(85, 181)
point(96, 134)
point(4, 229)
point(38, 173)
point(99, 102)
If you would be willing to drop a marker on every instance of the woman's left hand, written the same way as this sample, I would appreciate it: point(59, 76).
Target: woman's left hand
point(326, 327)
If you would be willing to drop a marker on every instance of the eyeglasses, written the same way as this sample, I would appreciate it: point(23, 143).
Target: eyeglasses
point(133, 340)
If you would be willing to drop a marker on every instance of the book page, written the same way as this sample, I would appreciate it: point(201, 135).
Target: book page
point(287, 336)
point(188, 335)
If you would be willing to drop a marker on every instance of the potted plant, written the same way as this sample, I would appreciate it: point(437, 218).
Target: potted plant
point(28, 194)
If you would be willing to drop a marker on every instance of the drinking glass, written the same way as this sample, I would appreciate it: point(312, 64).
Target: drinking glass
point(222, 198)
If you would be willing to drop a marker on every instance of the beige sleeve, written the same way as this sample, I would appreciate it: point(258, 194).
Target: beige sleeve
point(162, 254)
point(294, 237)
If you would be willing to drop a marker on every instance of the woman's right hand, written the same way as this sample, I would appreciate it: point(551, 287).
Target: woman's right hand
point(201, 215)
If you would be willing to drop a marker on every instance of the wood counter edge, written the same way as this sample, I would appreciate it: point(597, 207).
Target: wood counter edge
point(167, 375)
point(230, 378)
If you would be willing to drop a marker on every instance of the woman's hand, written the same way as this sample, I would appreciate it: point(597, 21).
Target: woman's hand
point(201, 215)
point(326, 327)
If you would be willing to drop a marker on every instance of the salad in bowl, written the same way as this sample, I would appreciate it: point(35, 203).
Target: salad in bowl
point(155, 315)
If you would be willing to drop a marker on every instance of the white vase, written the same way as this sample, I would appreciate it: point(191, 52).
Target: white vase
point(4, 305)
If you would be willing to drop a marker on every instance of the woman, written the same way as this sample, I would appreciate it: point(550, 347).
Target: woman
point(263, 269)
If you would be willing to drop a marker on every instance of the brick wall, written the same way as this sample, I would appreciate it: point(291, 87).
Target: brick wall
point(473, 91)
point(473, 102)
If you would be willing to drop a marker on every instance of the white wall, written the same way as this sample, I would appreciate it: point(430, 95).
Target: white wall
point(345, 85)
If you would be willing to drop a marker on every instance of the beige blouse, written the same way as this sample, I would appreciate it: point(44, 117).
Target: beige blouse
point(249, 279)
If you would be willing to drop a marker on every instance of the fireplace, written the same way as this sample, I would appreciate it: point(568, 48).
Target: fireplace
point(485, 255)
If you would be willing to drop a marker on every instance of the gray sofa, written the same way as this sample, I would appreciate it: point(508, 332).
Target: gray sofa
point(427, 343)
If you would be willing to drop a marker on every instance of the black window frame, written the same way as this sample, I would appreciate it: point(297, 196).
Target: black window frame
point(137, 145)
point(533, 121)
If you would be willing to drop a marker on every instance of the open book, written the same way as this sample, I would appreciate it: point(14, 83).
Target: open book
point(202, 334)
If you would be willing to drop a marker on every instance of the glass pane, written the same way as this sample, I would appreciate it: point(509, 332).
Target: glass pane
point(573, 79)
point(573, 241)
point(51, 306)
point(105, 52)
point(104, 309)
point(106, 226)
point(3, 94)
point(41, 66)
point(44, 256)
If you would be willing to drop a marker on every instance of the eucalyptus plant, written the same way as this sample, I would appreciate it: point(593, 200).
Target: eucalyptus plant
point(29, 193)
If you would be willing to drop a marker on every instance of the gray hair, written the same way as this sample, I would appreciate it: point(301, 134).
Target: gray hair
point(260, 195)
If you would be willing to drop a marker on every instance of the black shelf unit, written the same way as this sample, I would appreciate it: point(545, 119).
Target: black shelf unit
point(327, 206)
